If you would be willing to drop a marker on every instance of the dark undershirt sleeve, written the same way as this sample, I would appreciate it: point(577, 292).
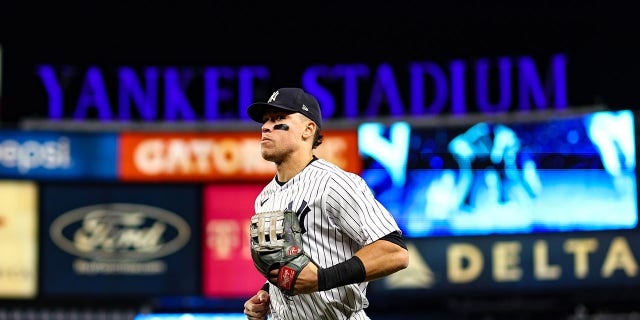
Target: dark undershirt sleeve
point(396, 238)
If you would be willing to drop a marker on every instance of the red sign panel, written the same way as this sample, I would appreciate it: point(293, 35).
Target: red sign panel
point(228, 269)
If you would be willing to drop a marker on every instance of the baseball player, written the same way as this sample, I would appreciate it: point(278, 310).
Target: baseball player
point(348, 238)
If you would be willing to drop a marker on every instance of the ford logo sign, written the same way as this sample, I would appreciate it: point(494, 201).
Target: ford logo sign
point(120, 232)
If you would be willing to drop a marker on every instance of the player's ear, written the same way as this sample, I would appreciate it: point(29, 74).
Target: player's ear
point(309, 129)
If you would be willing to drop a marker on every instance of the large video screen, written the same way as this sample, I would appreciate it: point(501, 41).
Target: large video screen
point(569, 173)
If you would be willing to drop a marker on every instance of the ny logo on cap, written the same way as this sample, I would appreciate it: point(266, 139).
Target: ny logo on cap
point(273, 96)
point(305, 108)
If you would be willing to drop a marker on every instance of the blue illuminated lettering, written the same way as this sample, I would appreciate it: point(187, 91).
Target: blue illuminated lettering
point(482, 86)
point(531, 87)
point(130, 88)
point(418, 91)
point(310, 82)
point(176, 103)
point(214, 92)
point(54, 90)
point(246, 76)
point(384, 84)
point(351, 74)
point(458, 103)
point(93, 94)
point(346, 91)
point(530, 84)
point(559, 78)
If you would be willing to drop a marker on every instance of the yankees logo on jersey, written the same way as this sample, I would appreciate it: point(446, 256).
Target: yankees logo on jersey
point(301, 213)
point(338, 215)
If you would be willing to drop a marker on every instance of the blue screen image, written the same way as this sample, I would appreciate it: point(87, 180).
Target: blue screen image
point(562, 174)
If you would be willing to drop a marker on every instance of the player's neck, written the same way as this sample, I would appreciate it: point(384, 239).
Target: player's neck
point(292, 166)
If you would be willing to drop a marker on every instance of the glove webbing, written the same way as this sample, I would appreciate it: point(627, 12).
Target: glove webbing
point(267, 230)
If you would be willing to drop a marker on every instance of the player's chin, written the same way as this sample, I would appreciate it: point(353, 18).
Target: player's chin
point(271, 156)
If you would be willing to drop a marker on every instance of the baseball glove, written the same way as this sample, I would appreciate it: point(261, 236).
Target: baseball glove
point(276, 243)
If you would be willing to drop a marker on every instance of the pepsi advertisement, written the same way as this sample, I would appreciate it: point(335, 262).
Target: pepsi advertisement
point(54, 155)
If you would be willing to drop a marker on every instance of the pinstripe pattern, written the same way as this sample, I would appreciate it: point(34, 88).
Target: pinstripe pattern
point(340, 216)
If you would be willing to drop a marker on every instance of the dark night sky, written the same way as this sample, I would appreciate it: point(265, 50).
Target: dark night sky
point(334, 28)
point(285, 34)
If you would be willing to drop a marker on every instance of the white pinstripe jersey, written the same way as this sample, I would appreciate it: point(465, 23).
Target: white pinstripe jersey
point(339, 215)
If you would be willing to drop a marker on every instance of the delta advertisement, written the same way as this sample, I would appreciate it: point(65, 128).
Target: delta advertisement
point(116, 240)
point(531, 262)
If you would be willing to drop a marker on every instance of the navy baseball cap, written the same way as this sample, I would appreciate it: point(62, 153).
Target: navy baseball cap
point(291, 99)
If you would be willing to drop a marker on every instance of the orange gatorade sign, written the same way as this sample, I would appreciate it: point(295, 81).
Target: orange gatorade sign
point(341, 148)
point(216, 156)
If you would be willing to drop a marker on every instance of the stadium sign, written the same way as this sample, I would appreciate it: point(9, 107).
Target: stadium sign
point(348, 91)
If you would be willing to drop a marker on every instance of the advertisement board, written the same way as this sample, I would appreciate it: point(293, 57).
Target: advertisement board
point(518, 263)
point(228, 269)
point(18, 239)
point(57, 155)
point(117, 240)
point(216, 156)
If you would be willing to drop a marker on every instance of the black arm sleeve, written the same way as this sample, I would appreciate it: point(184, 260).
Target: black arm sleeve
point(396, 238)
